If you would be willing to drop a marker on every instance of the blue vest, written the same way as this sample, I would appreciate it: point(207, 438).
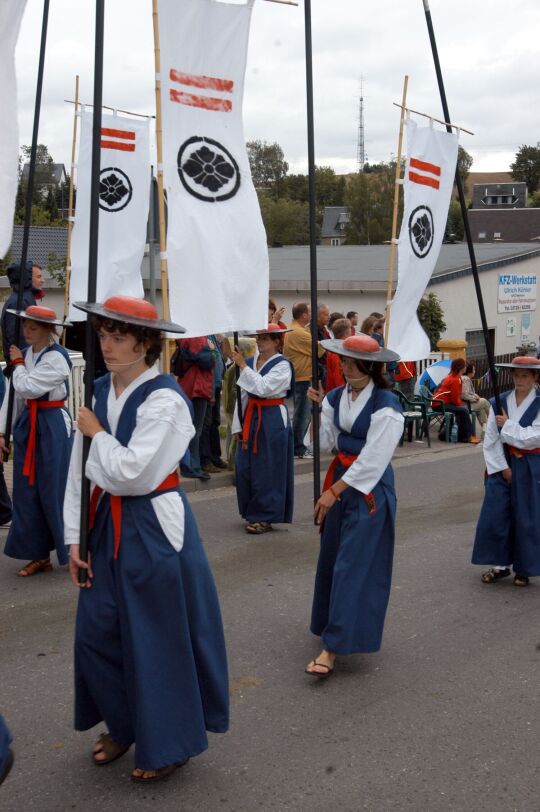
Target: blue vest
point(353, 442)
point(128, 417)
point(53, 348)
point(276, 359)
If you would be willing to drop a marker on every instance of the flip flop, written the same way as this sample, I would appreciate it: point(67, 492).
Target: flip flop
point(256, 528)
point(320, 674)
point(157, 775)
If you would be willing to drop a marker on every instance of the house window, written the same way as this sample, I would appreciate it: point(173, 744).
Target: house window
point(496, 235)
point(481, 235)
point(335, 241)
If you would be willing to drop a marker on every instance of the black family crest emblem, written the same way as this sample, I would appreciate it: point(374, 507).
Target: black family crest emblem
point(421, 231)
point(115, 189)
point(207, 169)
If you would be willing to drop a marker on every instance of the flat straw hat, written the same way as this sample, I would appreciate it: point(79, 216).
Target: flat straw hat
point(130, 310)
point(272, 329)
point(46, 315)
point(360, 346)
point(523, 362)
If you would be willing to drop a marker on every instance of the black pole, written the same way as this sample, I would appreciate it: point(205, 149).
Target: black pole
point(90, 338)
point(312, 251)
point(461, 195)
point(28, 202)
point(238, 388)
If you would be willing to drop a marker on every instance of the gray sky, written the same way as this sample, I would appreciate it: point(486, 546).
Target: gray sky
point(489, 50)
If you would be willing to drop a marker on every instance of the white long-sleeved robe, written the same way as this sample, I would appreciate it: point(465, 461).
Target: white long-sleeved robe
point(383, 435)
point(511, 433)
point(275, 384)
point(161, 436)
point(34, 380)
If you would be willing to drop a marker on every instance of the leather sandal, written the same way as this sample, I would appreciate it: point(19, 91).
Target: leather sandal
point(493, 575)
point(106, 744)
point(320, 674)
point(33, 567)
point(151, 776)
point(521, 580)
point(256, 528)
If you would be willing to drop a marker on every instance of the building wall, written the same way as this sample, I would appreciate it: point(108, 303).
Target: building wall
point(460, 307)
point(511, 225)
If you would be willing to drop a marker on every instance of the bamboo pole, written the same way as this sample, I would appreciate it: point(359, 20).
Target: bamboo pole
point(395, 213)
point(432, 118)
point(70, 206)
point(114, 109)
point(161, 195)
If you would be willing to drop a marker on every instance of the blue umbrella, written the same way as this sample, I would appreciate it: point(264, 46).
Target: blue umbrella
point(433, 375)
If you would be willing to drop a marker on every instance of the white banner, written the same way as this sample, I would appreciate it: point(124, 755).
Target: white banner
point(124, 198)
point(11, 12)
point(429, 177)
point(216, 243)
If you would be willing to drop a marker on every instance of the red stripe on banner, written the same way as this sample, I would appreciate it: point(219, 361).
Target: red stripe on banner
point(210, 82)
point(425, 167)
point(127, 134)
point(423, 180)
point(118, 145)
point(205, 102)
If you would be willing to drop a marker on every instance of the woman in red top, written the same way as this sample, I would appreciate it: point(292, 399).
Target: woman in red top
point(449, 391)
point(334, 372)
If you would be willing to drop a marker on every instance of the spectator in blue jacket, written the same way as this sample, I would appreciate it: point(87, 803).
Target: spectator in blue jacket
point(33, 284)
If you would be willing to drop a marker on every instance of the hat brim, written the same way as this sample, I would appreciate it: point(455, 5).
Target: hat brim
point(160, 325)
point(281, 331)
point(534, 367)
point(382, 356)
point(24, 315)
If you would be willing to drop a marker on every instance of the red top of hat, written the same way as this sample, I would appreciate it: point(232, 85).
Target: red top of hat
point(40, 312)
point(526, 360)
point(272, 328)
point(361, 343)
point(131, 306)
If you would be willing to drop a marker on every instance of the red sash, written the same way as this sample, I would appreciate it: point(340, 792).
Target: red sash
point(29, 467)
point(519, 453)
point(347, 460)
point(172, 481)
point(256, 403)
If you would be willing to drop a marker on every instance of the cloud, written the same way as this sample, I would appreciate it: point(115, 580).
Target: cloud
point(488, 51)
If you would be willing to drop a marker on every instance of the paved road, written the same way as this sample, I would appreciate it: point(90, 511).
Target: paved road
point(445, 717)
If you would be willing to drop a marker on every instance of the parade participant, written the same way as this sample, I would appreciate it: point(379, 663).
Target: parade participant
point(357, 508)
point(6, 753)
point(42, 436)
point(265, 455)
point(508, 530)
point(150, 655)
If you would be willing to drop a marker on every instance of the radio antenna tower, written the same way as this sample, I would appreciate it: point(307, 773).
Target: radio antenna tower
point(361, 147)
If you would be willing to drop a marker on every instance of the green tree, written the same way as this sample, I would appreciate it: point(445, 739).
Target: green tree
point(431, 317)
point(455, 229)
point(50, 205)
point(5, 263)
point(464, 163)
point(56, 266)
point(526, 167)
point(370, 199)
point(286, 221)
point(268, 166)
